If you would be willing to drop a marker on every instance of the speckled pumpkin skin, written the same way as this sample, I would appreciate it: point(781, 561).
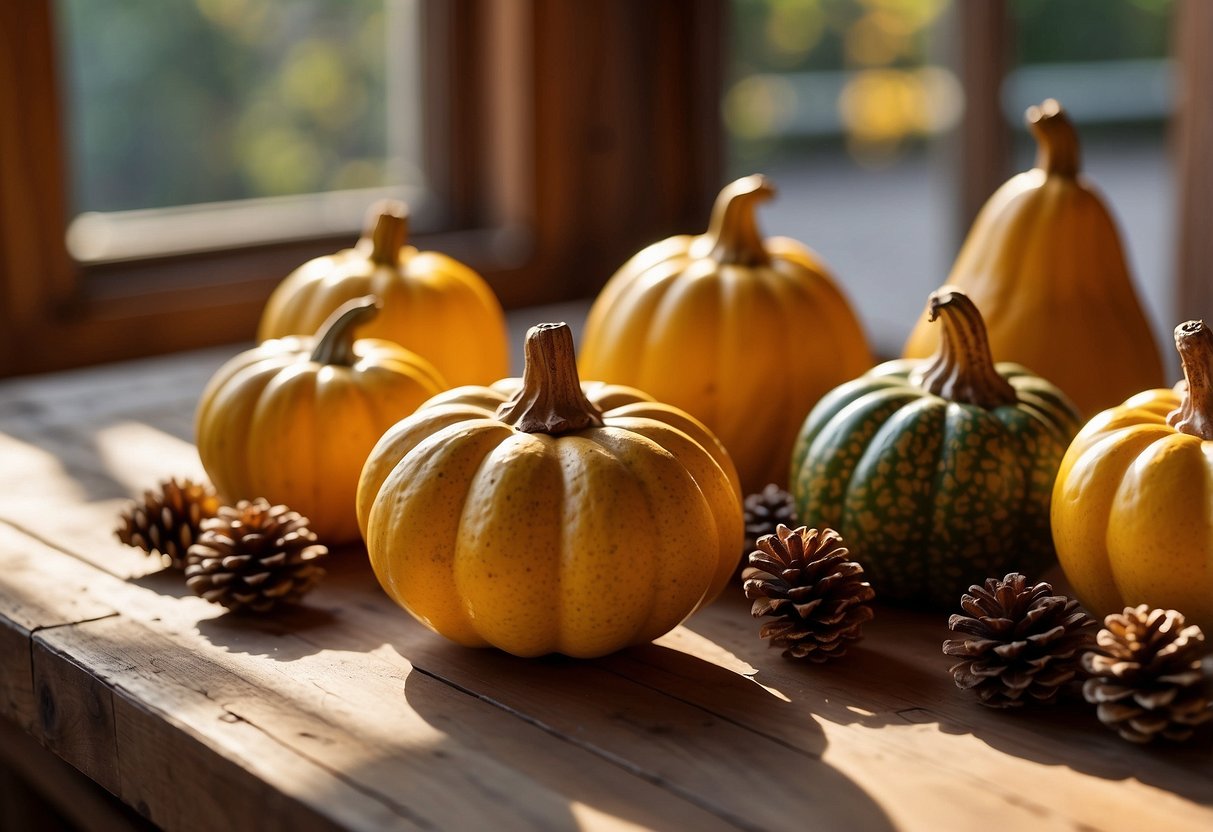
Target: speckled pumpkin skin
point(932, 495)
point(581, 544)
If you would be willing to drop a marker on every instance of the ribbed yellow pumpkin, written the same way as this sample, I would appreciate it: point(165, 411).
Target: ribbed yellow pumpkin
point(432, 304)
point(293, 419)
point(1133, 504)
point(534, 518)
point(1044, 264)
point(743, 333)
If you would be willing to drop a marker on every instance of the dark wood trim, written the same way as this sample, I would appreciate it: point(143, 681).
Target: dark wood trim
point(982, 39)
point(1193, 138)
point(569, 135)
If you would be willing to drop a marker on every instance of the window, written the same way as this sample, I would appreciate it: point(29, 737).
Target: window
point(208, 124)
point(889, 122)
point(552, 138)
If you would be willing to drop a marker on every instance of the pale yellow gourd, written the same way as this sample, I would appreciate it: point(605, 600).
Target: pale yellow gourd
point(1132, 507)
point(1043, 261)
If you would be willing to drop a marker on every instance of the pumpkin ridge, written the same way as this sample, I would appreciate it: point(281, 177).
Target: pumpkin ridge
point(623, 444)
point(570, 450)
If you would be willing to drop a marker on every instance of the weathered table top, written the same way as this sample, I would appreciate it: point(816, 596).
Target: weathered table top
point(346, 713)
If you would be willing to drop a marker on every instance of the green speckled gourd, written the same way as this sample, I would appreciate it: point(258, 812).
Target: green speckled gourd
point(937, 472)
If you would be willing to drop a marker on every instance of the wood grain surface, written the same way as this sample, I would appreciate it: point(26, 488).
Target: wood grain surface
point(345, 713)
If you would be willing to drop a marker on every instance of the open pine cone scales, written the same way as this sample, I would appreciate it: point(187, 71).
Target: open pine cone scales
point(806, 580)
point(167, 521)
point(1146, 675)
point(254, 556)
point(1022, 642)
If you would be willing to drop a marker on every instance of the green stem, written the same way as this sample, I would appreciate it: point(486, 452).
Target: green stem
point(335, 341)
point(733, 232)
point(1057, 150)
point(1194, 416)
point(962, 369)
point(551, 400)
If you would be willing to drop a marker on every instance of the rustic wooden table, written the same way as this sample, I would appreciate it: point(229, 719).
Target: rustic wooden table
point(345, 713)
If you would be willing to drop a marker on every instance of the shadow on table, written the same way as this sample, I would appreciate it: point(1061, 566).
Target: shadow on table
point(669, 718)
point(282, 636)
point(1069, 734)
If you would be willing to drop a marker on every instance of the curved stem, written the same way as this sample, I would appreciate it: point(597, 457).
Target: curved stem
point(962, 369)
point(733, 232)
point(335, 341)
point(1057, 150)
point(1194, 341)
point(551, 400)
point(389, 233)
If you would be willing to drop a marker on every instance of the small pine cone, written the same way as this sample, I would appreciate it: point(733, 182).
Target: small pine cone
point(1023, 643)
point(805, 578)
point(765, 512)
point(1146, 675)
point(254, 556)
point(169, 520)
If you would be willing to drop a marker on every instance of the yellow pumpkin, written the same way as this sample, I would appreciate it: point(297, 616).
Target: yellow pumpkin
point(432, 304)
point(534, 518)
point(293, 419)
point(744, 333)
point(1132, 509)
point(1043, 262)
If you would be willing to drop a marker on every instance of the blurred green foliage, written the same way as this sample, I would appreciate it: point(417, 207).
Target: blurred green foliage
point(893, 91)
point(172, 102)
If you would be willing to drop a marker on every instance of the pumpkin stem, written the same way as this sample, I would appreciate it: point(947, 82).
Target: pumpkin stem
point(962, 369)
point(335, 344)
point(551, 400)
point(1194, 341)
point(733, 233)
point(1057, 151)
point(389, 232)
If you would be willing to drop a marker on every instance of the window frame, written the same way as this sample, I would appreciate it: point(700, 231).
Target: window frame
point(560, 137)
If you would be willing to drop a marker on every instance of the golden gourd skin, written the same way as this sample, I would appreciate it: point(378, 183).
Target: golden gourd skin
point(1044, 263)
point(744, 333)
point(274, 423)
point(432, 304)
point(579, 543)
point(1132, 512)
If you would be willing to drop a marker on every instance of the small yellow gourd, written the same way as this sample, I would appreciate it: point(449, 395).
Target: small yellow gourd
point(1044, 263)
point(1133, 504)
point(535, 518)
point(293, 419)
point(432, 304)
point(742, 332)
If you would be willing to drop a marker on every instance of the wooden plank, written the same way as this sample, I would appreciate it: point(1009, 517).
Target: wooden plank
point(77, 798)
point(345, 722)
point(35, 594)
point(347, 705)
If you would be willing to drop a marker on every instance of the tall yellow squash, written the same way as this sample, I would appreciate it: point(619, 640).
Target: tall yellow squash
point(742, 332)
point(1044, 263)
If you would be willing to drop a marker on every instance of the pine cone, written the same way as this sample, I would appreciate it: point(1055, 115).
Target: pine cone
point(1146, 675)
point(765, 512)
point(1023, 643)
point(804, 577)
point(254, 556)
point(169, 520)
